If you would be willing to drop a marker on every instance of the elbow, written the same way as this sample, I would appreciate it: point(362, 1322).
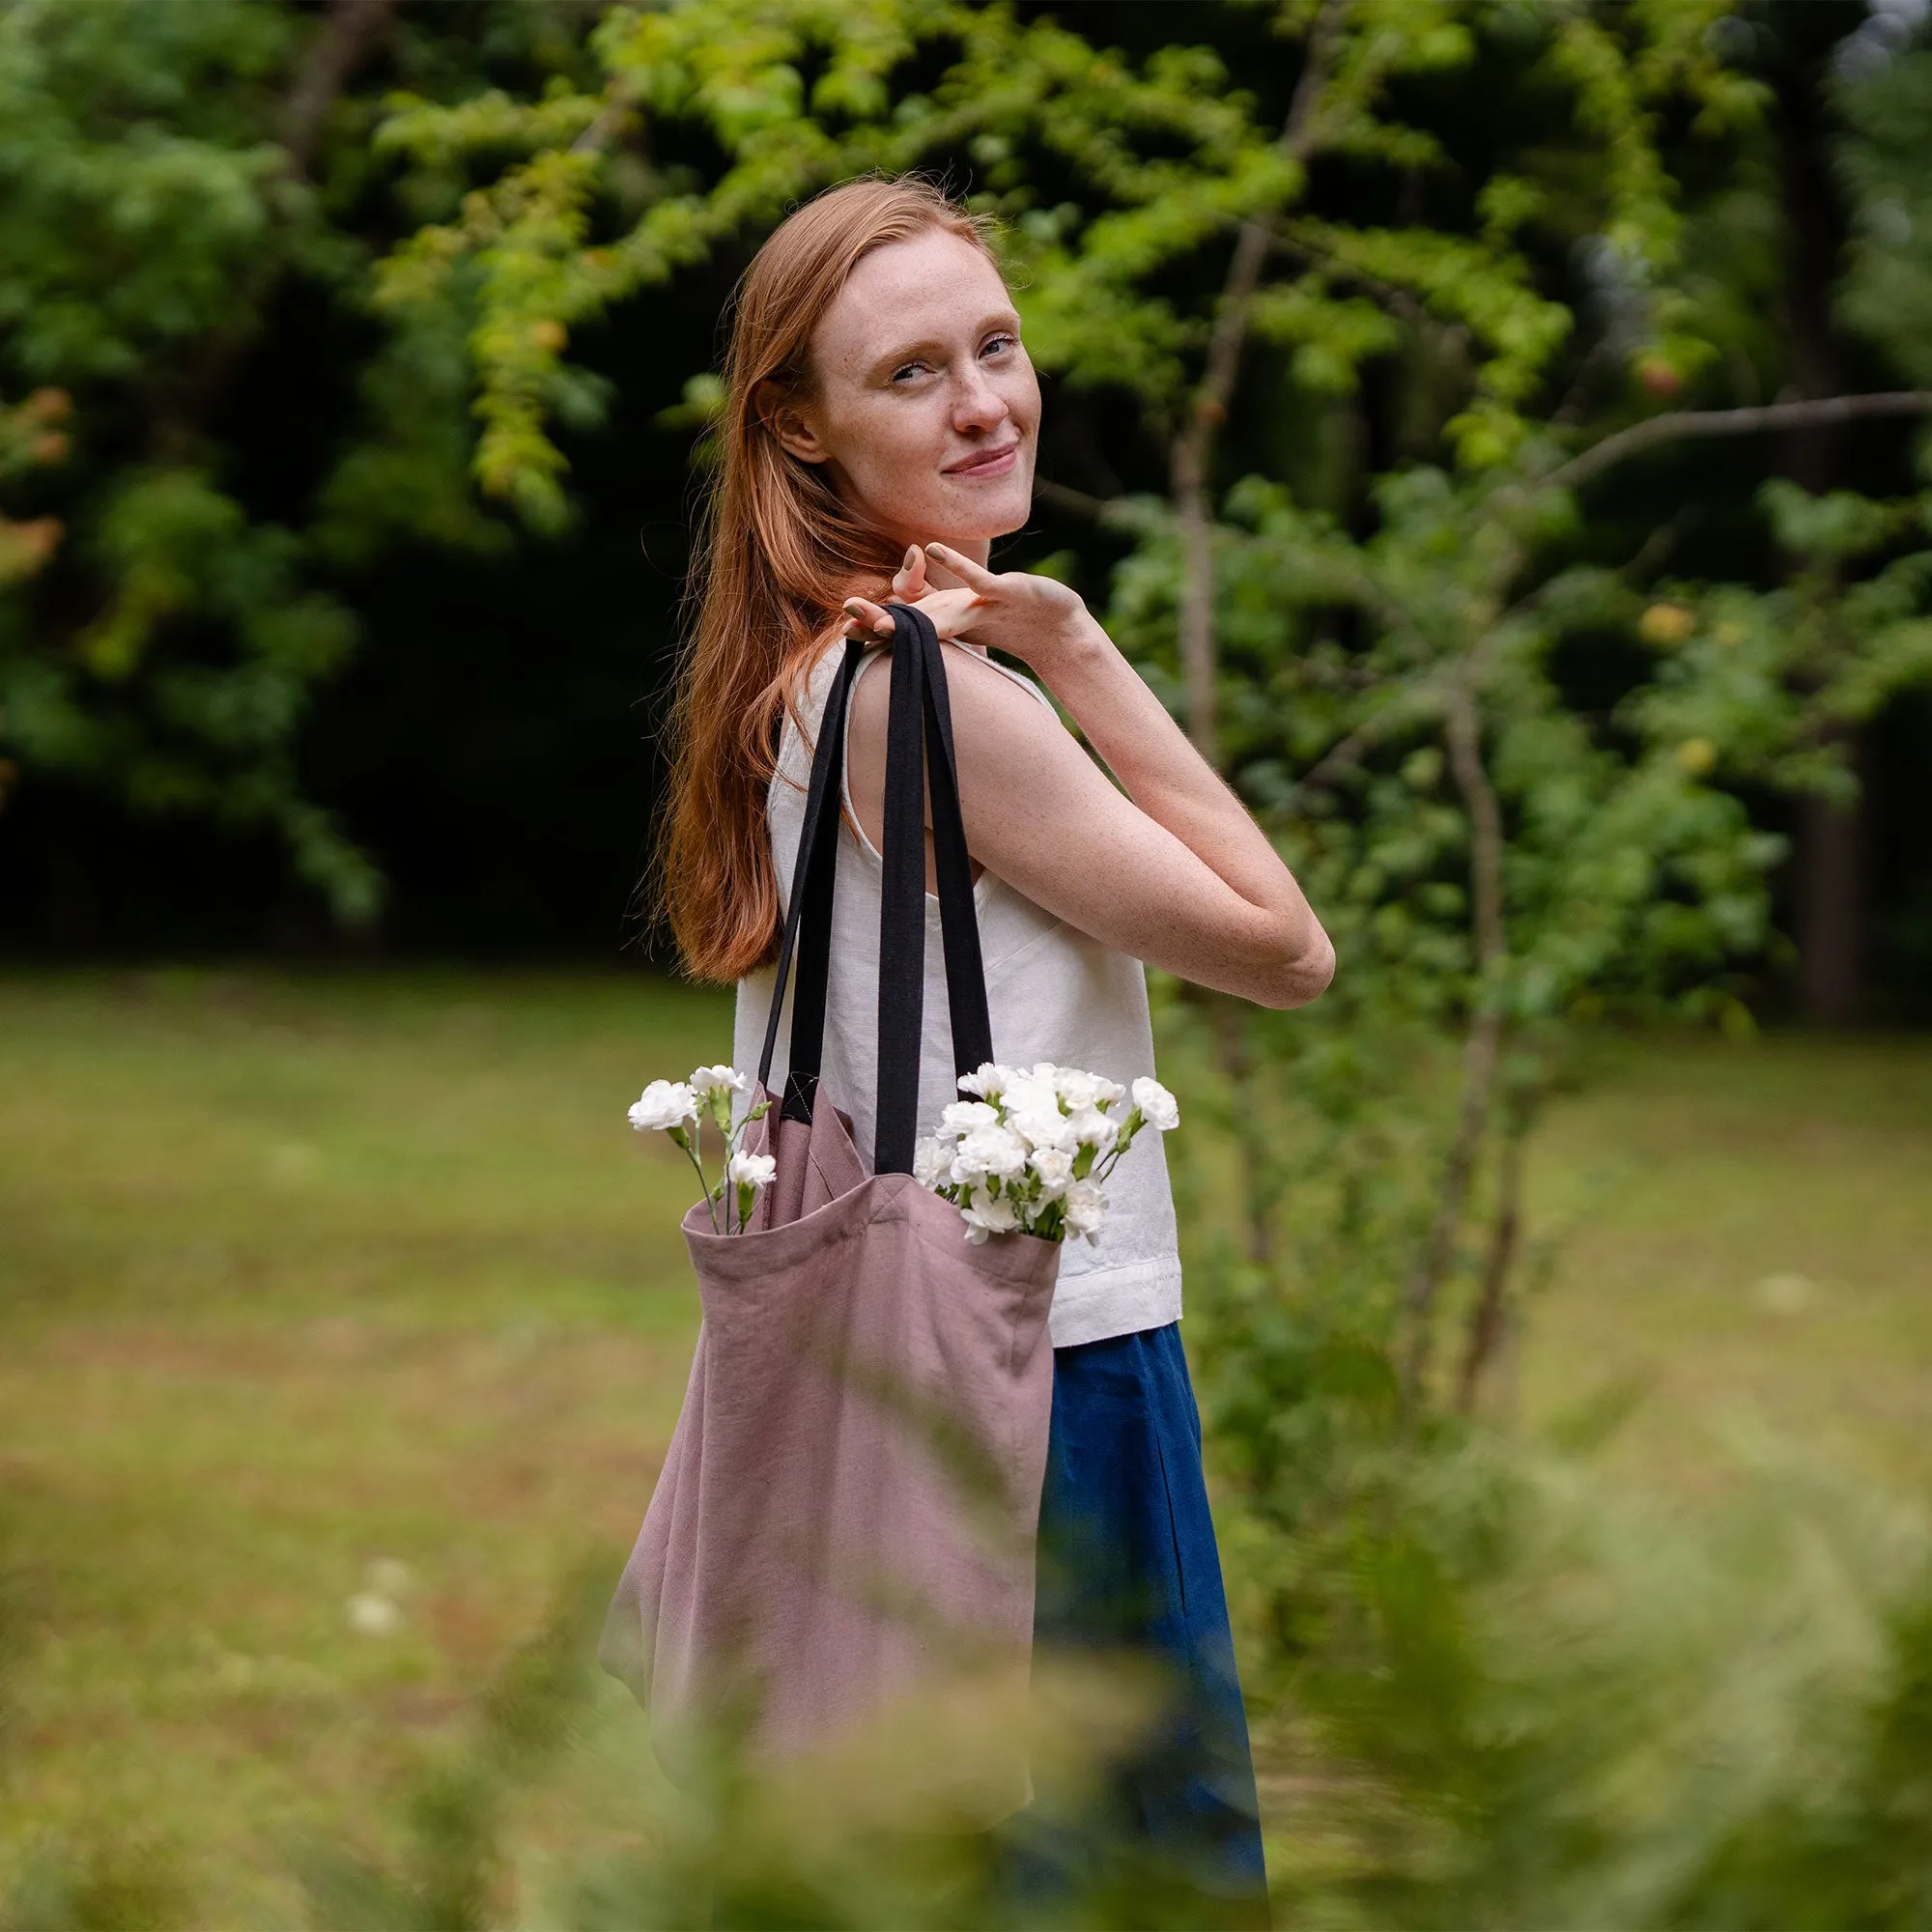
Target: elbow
point(1302, 976)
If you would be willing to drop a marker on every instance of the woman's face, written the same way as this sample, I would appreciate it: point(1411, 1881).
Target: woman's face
point(924, 409)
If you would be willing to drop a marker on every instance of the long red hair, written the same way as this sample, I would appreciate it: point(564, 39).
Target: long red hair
point(778, 555)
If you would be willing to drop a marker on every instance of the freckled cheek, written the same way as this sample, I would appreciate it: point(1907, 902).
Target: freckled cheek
point(904, 449)
point(893, 464)
point(1022, 396)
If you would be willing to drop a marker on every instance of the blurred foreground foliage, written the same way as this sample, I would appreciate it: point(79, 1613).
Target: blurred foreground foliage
point(1537, 1710)
point(1534, 1702)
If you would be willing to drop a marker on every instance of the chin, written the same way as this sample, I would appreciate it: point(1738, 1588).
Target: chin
point(986, 513)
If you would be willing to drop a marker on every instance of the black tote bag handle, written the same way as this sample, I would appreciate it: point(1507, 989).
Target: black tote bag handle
point(813, 874)
point(919, 697)
point(919, 757)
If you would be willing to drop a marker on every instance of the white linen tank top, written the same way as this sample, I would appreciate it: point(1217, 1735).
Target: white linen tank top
point(1052, 993)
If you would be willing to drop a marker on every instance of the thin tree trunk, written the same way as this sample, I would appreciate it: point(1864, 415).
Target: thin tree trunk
point(1829, 878)
point(1198, 667)
point(1487, 1319)
point(1237, 1063)
point(1830, 904)
point(1482, 1049)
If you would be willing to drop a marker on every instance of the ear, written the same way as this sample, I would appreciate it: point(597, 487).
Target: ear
point(788, 423)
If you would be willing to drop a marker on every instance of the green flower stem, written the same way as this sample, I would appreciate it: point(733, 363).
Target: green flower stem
point(1132, 1125)
point(683, 1140)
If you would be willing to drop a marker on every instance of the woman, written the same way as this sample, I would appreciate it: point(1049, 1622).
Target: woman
point(880, 426)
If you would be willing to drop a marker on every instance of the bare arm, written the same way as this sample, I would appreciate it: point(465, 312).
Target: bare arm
point(1176, 873)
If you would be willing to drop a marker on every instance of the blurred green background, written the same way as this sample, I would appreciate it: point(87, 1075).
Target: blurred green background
point(1494, 428)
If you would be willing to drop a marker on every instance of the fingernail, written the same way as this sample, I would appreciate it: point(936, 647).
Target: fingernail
point(912, 552)
point(937, 550)
point(853, 604)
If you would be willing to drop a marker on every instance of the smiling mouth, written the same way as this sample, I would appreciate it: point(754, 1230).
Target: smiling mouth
point(989, 462)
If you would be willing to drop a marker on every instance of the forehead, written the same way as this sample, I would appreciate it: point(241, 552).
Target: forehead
point(930, 288)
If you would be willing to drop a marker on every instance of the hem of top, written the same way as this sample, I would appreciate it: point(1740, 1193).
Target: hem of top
point(1115, 1301)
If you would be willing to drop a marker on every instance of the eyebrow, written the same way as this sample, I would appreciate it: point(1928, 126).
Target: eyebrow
point(897, 359)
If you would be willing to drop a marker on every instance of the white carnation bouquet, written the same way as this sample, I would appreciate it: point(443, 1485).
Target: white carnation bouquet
point(1028, 1154)
point(679, 1108)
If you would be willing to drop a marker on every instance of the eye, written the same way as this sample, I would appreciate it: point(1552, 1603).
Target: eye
point(909, 369)
point(1005, 340)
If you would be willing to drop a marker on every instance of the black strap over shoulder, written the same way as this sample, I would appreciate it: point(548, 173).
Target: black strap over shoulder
point(920, 762)
point(813, 875)
point(922, 720)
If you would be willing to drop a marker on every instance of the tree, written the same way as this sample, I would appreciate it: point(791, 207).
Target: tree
point(177, 177)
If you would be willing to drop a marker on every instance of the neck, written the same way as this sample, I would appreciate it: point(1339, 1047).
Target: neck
point(975, 550)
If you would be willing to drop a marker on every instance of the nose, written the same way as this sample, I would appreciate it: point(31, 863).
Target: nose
point(977, 402)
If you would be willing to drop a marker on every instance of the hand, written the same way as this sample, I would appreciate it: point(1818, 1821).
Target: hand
point(1033, 618)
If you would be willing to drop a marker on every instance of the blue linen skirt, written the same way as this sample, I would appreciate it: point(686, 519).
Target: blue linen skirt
point(1127, 1561)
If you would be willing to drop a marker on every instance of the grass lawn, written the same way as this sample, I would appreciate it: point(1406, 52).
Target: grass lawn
point(340, 1301)
point(1746, 1238)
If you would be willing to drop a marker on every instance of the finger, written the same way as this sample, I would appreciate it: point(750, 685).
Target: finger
point(950, 611)
point(937, 576)
point(973, 576)
point(866, 616)
point(909, 583)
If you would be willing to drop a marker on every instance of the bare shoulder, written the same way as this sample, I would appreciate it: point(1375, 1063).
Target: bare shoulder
point(995, 718)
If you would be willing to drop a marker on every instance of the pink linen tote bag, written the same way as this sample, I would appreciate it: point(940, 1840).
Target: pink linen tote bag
point(846, 1516)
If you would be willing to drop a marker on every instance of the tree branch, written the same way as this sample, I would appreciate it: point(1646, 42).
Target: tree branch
point(1064, 497)
point(605, 128)
point(348, 35)
point(1406, 707)
point(1823, 413)
point(344, 39)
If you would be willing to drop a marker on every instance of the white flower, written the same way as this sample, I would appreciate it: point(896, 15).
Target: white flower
point(751, 1170)
point(665, 1104)
point(1084, 1205)
point(1159, 1107)
point(1029, 1094)
point(1042, 1127)
point(1094, 1128)
point(1085, 1089)
point(988, 1081)
point(705, 1079)
point(931, 1162)
point(995, 1149)
point(1055, 1168)
point(989, 1214)
point(961, 1117)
